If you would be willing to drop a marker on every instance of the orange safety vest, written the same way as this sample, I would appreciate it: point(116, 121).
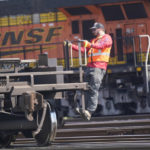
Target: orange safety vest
point(95, 55)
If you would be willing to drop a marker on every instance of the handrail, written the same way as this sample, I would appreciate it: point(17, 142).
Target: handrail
point(85, 54)
point(71, 55)
point(80, 58)
point(134, 52)
point(80, 66)
point(146, 60)
point(39, 73)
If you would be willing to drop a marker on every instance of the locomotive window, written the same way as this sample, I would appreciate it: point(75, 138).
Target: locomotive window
point(112, 54)
point(78, 11)
point(86, 25)
point(135, 11)
point(75, 27)
point(36, 18)
point(112, 13)
point(119, 44)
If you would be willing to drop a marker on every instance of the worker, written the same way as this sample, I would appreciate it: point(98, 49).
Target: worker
point(98, 53)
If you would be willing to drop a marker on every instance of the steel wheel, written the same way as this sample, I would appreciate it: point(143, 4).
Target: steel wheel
point(48, 130)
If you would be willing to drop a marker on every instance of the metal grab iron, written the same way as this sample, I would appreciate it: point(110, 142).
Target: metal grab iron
point(146, 60)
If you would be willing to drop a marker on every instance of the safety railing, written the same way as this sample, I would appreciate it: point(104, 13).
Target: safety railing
point(81, 64)
point(146, 61)
point(80, 55)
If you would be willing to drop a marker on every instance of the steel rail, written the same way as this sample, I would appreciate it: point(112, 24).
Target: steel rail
point(79, 139)
point(102, 130)
point(108, 118)
point(111, 138)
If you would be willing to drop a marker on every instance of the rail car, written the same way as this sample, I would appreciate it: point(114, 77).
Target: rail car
point(28, 98)
point(125, 88)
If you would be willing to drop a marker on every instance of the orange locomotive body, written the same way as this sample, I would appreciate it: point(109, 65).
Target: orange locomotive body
point(27, 41)
point(122, 20)
point(125, 87)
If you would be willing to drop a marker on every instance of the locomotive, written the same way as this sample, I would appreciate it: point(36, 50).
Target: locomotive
point(41, 33)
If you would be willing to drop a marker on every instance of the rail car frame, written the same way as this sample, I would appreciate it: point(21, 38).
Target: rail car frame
point(26, 104)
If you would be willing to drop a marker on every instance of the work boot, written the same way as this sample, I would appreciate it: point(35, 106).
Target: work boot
point(85, 114)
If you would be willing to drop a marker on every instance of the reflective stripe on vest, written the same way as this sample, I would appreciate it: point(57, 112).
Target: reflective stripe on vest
point(99, 53)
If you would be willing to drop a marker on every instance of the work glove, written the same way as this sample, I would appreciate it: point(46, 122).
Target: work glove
point(69, 43)
point(86, 44)
point(65, 43)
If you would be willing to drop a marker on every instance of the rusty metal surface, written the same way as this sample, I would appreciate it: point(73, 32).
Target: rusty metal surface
point(39, 73)
point(18, 90)
point(20, 87)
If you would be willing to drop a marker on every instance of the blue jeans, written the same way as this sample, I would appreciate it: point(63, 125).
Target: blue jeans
point(94, 78)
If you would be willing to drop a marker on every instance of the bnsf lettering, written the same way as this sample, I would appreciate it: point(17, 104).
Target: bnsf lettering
point(50, 33)
point(33, 36)
point(12, 37)
point(37, 38)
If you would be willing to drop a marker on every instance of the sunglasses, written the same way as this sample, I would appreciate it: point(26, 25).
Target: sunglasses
point(94, 29)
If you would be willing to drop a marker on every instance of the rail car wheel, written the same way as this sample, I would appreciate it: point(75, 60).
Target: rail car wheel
point(45, 134)
point(5, 140)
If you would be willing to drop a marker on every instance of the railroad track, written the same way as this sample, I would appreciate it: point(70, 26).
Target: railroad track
point(112, 138)
point(115, 125)
point(78, 139)
point(126, 129)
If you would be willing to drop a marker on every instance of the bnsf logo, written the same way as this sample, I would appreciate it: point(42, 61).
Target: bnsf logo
point(32, 36)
